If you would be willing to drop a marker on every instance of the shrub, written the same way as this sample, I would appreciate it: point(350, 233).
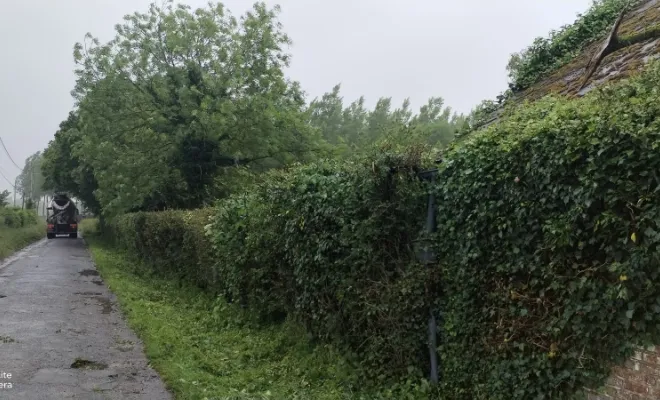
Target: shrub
point(173, 242)
point(331, 244)
point(549, 236)
point(18, 218)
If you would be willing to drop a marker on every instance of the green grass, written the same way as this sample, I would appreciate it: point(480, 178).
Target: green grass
point(14, 239)
point(206, 349)
point(89, 225)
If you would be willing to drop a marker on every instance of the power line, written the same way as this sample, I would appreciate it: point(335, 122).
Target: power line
point(8, 155)
point(8, 181)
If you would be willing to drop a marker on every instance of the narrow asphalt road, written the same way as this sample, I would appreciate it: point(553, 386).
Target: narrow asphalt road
point(61, 334)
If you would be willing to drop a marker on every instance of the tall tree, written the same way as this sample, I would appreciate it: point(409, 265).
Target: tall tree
point(379, 119)
point(178, 94)
point(355, 127)
point(355, 121)
point(4, 198)
point(64, 170)
point(437, 122)
point(30, 181)
point(326, 114)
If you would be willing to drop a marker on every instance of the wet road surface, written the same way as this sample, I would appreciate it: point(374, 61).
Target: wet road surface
point(61, 334)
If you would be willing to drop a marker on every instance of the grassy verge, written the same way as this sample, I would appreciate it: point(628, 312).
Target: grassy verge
point(205, 349)
point(14, 239)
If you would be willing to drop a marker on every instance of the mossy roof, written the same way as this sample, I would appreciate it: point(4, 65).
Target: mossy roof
point(566, 81)
point(618, 65)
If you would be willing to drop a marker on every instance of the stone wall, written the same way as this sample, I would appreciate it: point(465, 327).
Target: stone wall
point(637, 379)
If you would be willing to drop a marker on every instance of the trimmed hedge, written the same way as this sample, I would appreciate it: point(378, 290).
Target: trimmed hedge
point(172, 242)
point(332, 245)
point(549, 238)
point(548, 244)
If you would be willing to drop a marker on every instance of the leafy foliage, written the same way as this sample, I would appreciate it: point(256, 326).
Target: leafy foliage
point(64, 170)
point(353, 127)
point(4, 198)
point(30, 182)
point(548, 236)
point(547, 242)
point(176, 95)
point(172, 242)
point(18, 218)
point(560, 47)
point(332, 244)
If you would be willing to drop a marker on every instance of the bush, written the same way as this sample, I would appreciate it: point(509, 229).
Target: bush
point(549, 238)
point(18, 218)
point(173, 242)
point(331, 244)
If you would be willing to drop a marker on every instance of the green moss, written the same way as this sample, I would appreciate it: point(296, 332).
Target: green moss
point(629, 56)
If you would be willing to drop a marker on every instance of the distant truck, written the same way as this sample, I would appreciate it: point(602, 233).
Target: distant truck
point(62, 217)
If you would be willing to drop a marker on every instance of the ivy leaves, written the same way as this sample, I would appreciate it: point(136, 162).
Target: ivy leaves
point(548, 226)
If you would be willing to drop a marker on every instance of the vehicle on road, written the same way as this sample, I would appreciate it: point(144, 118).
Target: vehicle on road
point(62, 217)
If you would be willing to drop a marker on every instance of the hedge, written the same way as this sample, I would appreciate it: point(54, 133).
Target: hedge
point(173, 243)
point(332, 244)
point(549, 240)
point(547, 250)
point(548, 269)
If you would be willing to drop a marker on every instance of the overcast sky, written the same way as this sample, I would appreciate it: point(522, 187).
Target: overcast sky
point(396, 48)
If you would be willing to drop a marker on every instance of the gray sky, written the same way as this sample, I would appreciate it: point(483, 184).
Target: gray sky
point(400, 48)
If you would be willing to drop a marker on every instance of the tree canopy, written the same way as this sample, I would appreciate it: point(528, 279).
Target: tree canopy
point(30, 182)
point(352, 127)
point(178, 95)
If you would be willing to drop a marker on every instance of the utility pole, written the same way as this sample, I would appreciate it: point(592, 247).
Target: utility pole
point(31, 181)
